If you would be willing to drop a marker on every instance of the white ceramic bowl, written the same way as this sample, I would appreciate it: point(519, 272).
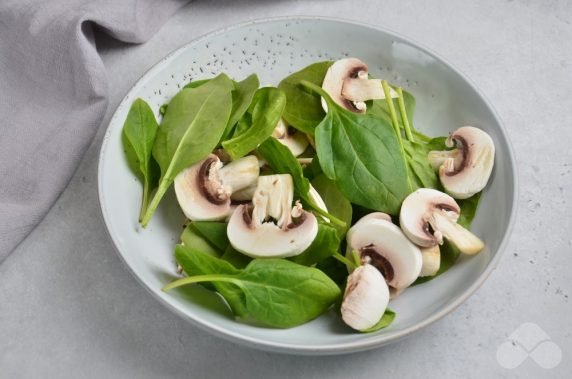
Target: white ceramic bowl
point(273, 49)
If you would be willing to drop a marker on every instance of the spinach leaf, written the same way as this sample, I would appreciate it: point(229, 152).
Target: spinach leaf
point(271, 292)
point(362, 154)
point(415, 145)
point(196, 83)
point(191, 129)
point(335, 270)
point(242, 96)
point(450, 253)
point(193, 238)
point(303, 108)
point(138, 136)
point(235, 258)
point(195, 262)
point(267, 107)
point(421, 173)
point(336, 203)
point(326, 243)
point(384, 322)
point(380, 109)
point(281, 161)
point(214, 232)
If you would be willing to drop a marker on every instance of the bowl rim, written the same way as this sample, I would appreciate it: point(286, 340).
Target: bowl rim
point(335, 348)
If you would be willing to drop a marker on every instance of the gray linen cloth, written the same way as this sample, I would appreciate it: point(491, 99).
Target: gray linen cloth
point(53, 95)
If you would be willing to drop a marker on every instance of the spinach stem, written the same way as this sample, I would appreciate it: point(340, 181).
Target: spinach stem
point(154, 203)
point(403, 113)
point(145, 200)
point(333, 220)
point(199, 279)
point(344, 260)
point(391, 109)
point(396, 126)
point(356, 257)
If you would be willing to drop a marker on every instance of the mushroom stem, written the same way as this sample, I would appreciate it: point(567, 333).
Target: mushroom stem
point(358, 90)
point(464, 240)
point(438, 158)
point(431, 261)
point(305, 161)
point(239, 174)
point(273, 198)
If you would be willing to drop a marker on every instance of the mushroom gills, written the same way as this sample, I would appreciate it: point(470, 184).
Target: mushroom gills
point(348, 84)
point(427, 216)
point(365, 298)
point(204, 189)
point(387, 249)
point(466, 169)
point(271, 227)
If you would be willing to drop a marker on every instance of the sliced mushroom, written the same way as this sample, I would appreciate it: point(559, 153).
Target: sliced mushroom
point(374, 216)
point(318, 201)
point(390, 251)
point(347, 82)
point(427, 216)
point(271, 227)
point(465, 170)
point(431, 260)
point(365, 298)
point(295, 141)
point(204, 190)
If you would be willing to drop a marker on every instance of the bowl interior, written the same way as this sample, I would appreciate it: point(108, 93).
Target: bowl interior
point(273, 49)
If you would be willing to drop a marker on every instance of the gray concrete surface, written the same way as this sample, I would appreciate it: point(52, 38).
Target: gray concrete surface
point(69, 309)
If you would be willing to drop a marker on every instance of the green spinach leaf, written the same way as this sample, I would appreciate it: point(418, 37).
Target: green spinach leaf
point(362, 154)
point(242, 97)
point(214, 232)
point(336, 203)
point(267, 107)
point(235, 258)
point(191, 129)
point(193, 238)
point(139, 132)
point(326, 243)
point(195, 262)
point(271, 292)
point(303, 108)
point(384, 322)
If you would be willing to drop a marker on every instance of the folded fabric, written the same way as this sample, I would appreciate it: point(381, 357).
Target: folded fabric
point(53, 95)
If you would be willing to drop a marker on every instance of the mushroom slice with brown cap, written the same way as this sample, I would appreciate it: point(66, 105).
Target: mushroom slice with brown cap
point(347, 82)
point(388, 249)
point(204, 190)
point(365, 298)
point(294, 140)
point(271, 227)
point(465, 170)
point(427, 216)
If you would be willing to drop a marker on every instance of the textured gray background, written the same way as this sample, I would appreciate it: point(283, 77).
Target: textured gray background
point(69, 309)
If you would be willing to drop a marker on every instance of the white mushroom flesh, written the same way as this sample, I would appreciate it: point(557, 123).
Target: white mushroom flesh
point(390, 251)
point(295, 141)
point(365, 298)
point(347, 82)
point(465, 170)
point(203, 190)
point(428, 216)
point(272, 227)
point(431, 260)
